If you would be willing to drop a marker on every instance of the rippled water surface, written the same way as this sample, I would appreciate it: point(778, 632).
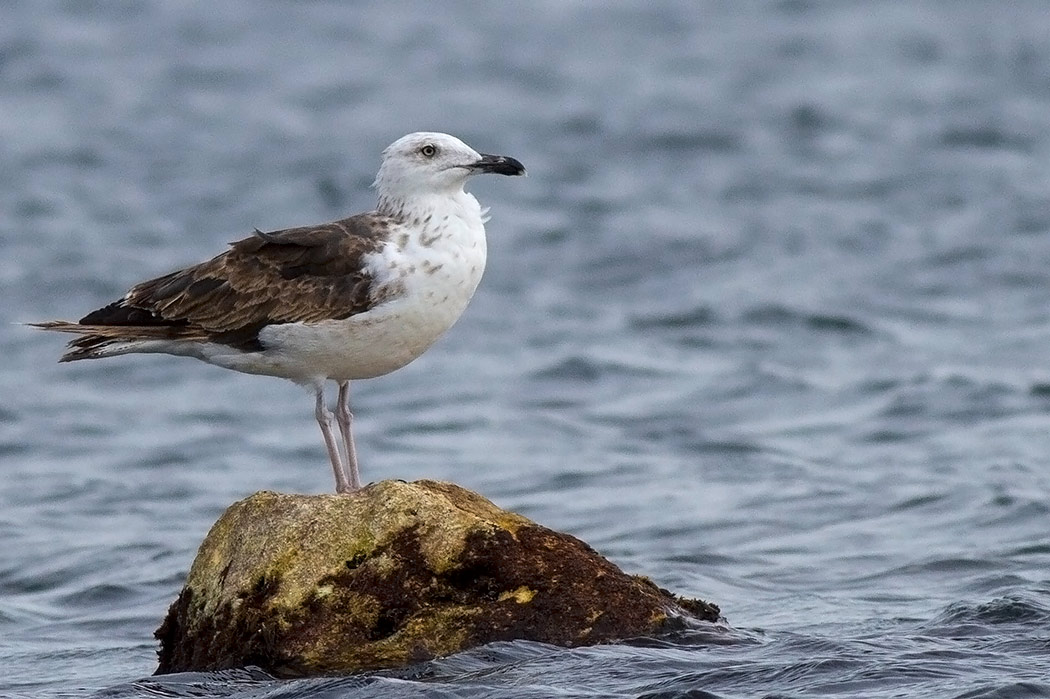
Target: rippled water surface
point(768, 322)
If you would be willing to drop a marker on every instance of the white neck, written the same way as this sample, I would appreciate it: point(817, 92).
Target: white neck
point(418, 207)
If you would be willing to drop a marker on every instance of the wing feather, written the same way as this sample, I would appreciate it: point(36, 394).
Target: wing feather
point(304, 274)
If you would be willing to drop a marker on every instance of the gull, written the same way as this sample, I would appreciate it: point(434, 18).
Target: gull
point(351, 299)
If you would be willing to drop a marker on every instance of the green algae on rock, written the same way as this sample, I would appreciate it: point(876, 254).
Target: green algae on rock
point(393, 574)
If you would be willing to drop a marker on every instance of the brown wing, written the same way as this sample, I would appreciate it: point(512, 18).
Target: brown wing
point(300, 274)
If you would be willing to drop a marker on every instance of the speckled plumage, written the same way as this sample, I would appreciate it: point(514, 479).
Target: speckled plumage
point(351, 299)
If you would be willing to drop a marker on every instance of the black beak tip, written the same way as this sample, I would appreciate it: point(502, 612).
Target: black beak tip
point(501, 165)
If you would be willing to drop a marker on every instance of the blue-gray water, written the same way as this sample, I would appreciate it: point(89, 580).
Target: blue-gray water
point(768, 322)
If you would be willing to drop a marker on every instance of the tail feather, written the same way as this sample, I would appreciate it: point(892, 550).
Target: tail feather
point(97, 341)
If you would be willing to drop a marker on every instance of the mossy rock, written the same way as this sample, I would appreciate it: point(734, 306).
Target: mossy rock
point(393, 574)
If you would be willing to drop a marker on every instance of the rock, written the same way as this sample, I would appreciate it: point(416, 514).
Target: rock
point(394, 574)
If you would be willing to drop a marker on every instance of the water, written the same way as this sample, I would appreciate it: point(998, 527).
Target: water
point(767, 322)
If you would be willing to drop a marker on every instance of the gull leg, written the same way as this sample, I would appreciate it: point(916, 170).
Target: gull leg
point(346, 418)
point(324, 419)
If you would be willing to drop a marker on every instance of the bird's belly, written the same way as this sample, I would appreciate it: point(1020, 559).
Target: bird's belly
point(373, 343)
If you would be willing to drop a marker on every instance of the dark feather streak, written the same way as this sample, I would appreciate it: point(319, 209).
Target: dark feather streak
point(306, 274)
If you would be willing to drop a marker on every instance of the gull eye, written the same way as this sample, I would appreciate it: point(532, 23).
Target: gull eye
point(428, 150)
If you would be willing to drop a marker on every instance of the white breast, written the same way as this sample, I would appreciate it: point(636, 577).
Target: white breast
point(425, 277)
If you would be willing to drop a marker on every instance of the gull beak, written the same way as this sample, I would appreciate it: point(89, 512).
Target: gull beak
point(498, 165)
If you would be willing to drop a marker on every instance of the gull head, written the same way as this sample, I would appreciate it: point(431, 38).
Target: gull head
point(426, 163)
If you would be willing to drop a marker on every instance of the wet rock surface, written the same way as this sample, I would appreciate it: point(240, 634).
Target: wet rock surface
point(394, 574)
